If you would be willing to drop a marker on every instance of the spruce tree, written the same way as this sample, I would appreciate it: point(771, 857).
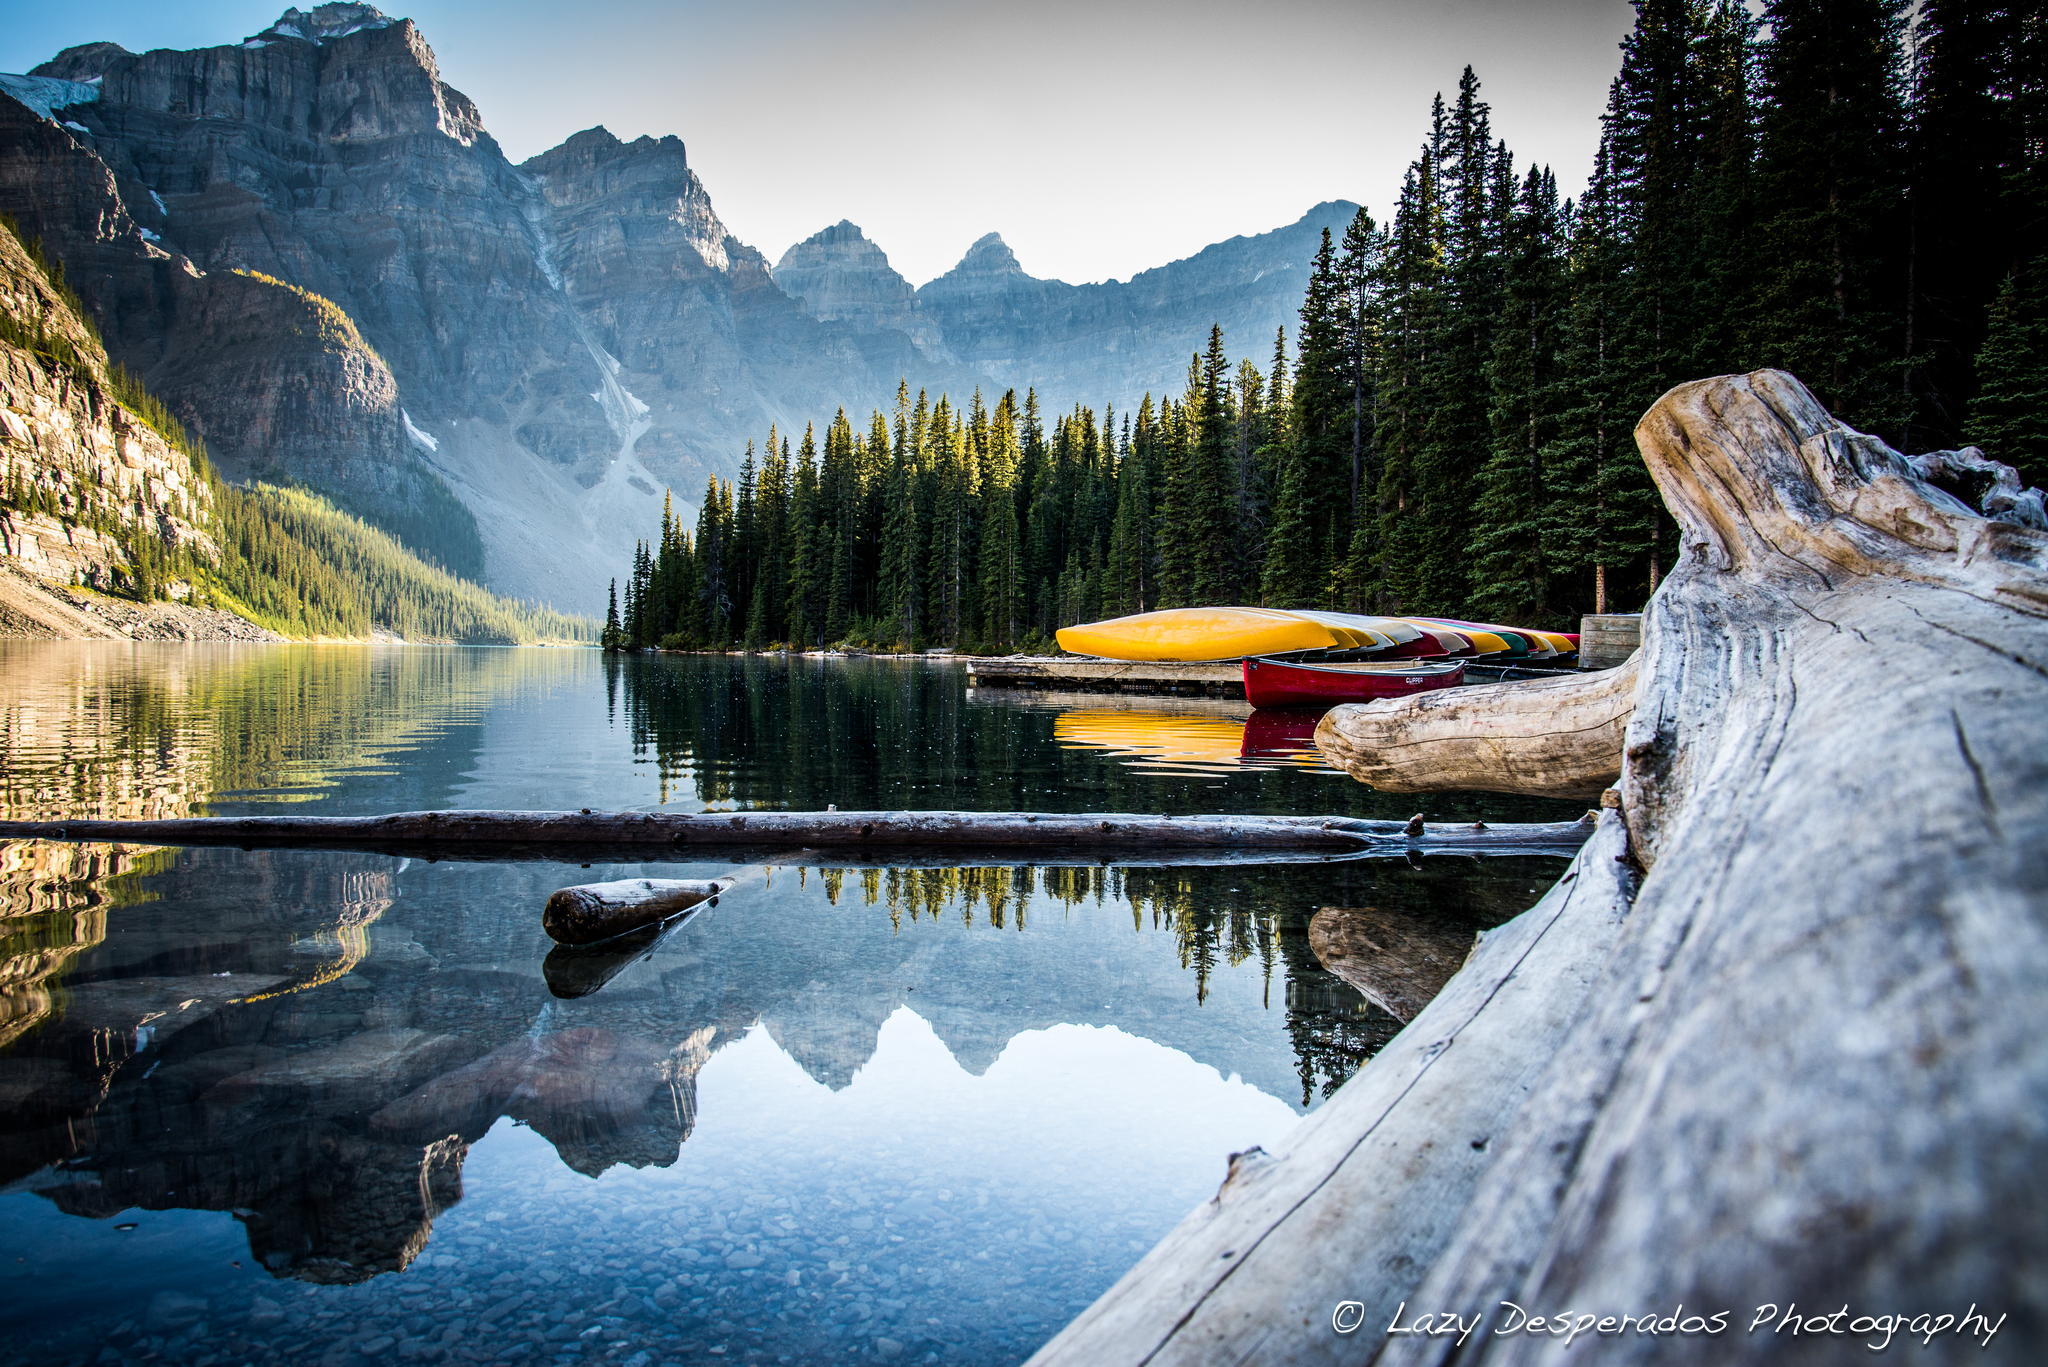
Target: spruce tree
point(1977, 91)
point(1001, 586)
point(1132, 569)
point(2009, 416)
point(1413, 305)
point(610, 638)
point(1830, 176)
point(1509, 582)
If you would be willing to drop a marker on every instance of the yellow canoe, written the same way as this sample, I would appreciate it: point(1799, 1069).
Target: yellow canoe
point(1376, 633)
point(1226, 633)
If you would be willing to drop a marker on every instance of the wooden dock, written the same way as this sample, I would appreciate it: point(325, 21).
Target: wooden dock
point(1223, 679)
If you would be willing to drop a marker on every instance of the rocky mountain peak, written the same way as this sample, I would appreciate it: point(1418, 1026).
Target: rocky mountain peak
point(324, 23)
point(843, 242)
point(837, 274)
point(601, 148)
point(990, 255)
point(83, 62)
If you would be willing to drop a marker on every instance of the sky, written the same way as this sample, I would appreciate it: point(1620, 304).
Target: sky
point(1099, 137)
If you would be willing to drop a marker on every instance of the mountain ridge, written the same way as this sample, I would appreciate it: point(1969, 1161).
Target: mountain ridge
point(560, 339)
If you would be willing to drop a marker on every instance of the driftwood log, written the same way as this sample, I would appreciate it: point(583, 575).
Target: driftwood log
point(835, 837)
point(1801, 1060)
point(1557, 737)
point(592, 912)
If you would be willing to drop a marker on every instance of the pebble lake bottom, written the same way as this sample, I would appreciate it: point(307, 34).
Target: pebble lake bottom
point(309, 1106)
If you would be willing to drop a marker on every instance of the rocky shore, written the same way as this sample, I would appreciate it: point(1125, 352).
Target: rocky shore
point(39, 609)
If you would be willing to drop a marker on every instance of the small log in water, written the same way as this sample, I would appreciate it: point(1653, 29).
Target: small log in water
point(839, 837)
point(591, 912)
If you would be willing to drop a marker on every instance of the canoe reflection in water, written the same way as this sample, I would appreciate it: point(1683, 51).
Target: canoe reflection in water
point(1185, 740)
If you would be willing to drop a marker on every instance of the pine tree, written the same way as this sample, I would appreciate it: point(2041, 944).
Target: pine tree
point(1594, 516)
point(1002, 568)
point(1413, 305)
point(2009, 416)
point(1315, 461)
point(840, 511)
point(766, 613)
point(809, 549)
point(1509, 582)
point(1976, 94)
point(1212, 501)
point(1133, 564)
point(901, 586)
point(1830, 171)
point(611, 639)
point(949, 569)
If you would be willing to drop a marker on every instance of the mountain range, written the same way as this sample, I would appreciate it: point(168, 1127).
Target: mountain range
point(310, 247)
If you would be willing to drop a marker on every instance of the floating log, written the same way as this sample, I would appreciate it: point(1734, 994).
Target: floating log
point(590, 912)
point(1400, 961)
point(1803, 1060)
point(828, 837)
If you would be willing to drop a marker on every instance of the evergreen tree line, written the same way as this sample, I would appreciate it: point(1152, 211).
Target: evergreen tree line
point(1821, 188)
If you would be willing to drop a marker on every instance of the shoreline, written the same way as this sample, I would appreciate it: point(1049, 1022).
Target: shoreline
point(36, 609)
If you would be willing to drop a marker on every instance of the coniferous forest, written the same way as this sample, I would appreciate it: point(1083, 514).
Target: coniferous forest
point(1824, 187)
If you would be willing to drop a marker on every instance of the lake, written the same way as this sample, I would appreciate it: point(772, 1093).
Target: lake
point(307, 1105)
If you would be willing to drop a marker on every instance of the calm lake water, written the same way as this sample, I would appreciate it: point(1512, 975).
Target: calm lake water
point(314, 1106)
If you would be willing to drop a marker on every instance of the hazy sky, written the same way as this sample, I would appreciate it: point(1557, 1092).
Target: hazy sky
point(1098, 136)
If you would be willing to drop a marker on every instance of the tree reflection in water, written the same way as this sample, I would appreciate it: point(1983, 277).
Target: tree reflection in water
point(314, 1041)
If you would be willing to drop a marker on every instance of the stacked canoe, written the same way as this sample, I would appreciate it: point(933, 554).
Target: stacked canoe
point(1236, 633)
point(1363, 657)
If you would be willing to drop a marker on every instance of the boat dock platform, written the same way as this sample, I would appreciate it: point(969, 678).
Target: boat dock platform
point(1224, 679)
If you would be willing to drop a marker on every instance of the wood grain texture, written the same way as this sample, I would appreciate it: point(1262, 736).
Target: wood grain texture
point(1810, 1064)
point(1558, 737)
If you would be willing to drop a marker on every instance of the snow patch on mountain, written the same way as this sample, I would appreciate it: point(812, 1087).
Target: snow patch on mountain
point(46, 94)
point(420, 439)
point(322, 24)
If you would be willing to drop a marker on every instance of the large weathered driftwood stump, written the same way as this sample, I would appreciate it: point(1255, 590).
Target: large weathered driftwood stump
point(1779, 1033)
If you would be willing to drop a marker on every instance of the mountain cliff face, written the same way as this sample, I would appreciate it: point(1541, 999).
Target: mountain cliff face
point(324, 152)
point(838, 275)
point(1119, 340)
point(309, 246)
point(86, 483)
point(1110, 342)
point(697, 348)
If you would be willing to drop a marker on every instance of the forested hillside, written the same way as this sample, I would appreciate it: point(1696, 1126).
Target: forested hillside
point(1819, 189)
point(96, 467)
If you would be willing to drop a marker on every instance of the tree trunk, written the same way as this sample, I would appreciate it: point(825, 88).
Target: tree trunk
point(1803, 1060)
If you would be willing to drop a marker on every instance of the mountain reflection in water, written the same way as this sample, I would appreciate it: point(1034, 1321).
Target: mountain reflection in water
point(939, 1109)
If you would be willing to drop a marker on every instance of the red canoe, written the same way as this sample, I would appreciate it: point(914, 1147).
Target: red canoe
point(1281, 683)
